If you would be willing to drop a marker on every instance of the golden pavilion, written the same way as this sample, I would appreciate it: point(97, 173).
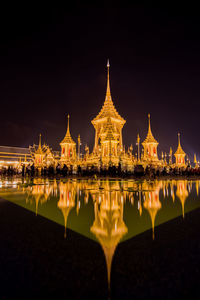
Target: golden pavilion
point(108, 149)
point(108, 145)
point(150, 145)
point(68, 148)
point(179, 155)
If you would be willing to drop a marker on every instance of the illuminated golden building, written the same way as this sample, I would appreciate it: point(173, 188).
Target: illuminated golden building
point(150, 145)
point(179, 155)
point(108, 149)
point(68, 148)
point(39, 155)
point(42, 156)
point(108, 146)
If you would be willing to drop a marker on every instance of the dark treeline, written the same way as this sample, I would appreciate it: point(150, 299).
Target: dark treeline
point(112, 171)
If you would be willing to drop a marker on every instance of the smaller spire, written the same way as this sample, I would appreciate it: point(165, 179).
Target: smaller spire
point(179, 140)
point(68, 123)
point(68, 139)
point(138, 139)
point(40, 140)
point(149, 117)
point(108, 64)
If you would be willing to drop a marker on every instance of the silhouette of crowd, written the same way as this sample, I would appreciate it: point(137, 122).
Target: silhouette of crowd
point(111, 171)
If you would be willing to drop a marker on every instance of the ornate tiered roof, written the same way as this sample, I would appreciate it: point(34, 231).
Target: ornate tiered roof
point(108, 109)
point(39, 149)
point(179, 149)
point(109, 131)
point(68, 139)
point(150, 138)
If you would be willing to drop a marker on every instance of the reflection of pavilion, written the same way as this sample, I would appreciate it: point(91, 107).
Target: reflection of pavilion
point(39, 193)
point(67, 200)
point(108, 226)
point(182, 193)
point(152, 202)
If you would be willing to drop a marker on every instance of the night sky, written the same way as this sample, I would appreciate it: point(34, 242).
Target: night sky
point(53, 62)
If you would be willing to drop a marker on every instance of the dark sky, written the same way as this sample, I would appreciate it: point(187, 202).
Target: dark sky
point(53, 62)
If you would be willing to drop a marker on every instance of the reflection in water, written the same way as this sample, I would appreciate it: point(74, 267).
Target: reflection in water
point(108, 226)
point(39, 193)
point(152, 202)
point(182, 193)
point(108, 211)
point(66, 201)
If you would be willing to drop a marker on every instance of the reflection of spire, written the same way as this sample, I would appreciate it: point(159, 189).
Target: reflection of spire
point(152, 202)
point(66, 201)
point(182, 193)
point(197, 187)
point(140, 204)
point(108, 226)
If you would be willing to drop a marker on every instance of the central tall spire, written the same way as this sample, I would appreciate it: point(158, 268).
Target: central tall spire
point(108, 109)
point(108, 94)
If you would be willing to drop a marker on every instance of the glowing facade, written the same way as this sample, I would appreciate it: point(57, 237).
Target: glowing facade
point(42, 156)
point(108, 145)
point(108, 149)
point(150, 145)
point(68, 148)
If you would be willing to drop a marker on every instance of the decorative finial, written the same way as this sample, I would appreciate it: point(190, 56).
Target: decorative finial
point(68, 123)
point(108, 94)
point(40, 140)
point(149, 124)
point(179, 142)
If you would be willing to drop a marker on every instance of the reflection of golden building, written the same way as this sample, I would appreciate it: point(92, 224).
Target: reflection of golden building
point(68, 148)
point(182, 193)
point(67, 200)
point(39, 193)
point(152, 202)
point(150, 145)
point(179, 155)
point(108, 226)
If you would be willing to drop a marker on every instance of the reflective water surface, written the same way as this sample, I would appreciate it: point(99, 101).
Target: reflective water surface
point(107, 211)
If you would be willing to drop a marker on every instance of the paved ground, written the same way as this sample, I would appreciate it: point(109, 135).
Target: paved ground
point(36, 261)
